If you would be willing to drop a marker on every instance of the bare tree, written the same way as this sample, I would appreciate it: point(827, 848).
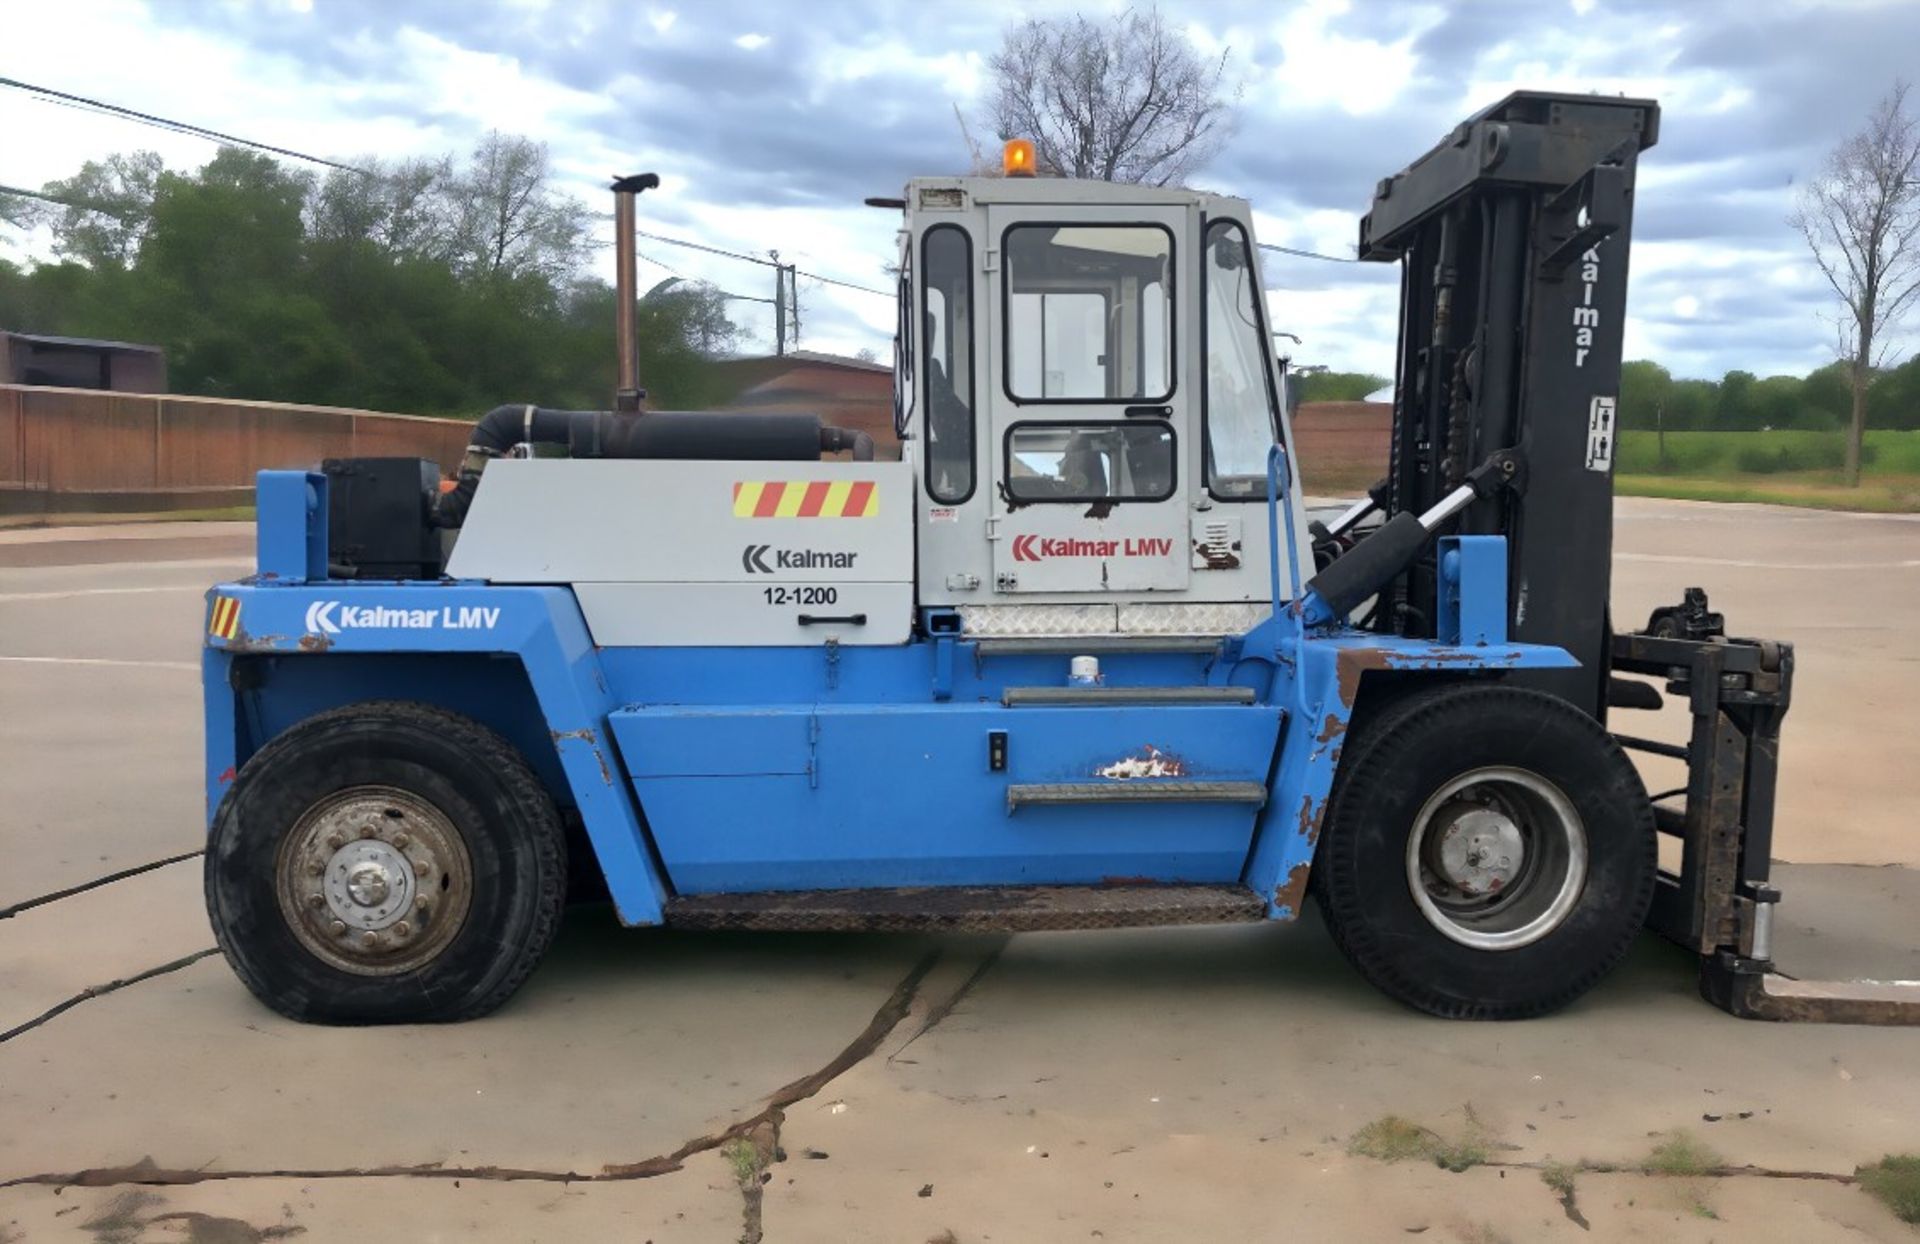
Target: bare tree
point(408, 209)
point(1126, 99)
point(1861, 218)
point(511, 221)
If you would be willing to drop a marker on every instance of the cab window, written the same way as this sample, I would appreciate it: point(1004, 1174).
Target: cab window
point(946, 274)
point(1090, 461)
point(1238, 402)
point(1089, 313)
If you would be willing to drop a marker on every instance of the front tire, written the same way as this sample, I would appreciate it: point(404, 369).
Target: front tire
point(385, 862)
point(1489, 853)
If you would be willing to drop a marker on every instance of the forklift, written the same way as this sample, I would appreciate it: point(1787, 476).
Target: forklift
point(1079, 659)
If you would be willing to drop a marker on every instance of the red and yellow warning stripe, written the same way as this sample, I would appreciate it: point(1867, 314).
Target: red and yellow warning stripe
point(806, 499)
point(224, 622)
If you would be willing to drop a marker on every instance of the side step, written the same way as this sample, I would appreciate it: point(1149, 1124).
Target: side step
point(1030, 697)
point(1137, 790)
point(970, 909)
point(1090, 645)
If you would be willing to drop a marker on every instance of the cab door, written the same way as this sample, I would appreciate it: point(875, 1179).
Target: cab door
point(1087, 414)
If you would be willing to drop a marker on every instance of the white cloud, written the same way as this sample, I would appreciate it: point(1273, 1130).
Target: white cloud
point(1349, 91)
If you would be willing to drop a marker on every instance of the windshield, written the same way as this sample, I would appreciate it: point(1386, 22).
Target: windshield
point(1239, 397)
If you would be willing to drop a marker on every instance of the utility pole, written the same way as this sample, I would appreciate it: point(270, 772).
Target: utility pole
point(779, 305)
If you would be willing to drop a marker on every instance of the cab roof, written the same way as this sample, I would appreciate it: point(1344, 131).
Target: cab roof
point(1056, 191)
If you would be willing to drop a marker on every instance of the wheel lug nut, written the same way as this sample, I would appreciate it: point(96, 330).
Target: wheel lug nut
point(315, 868)
point(420, 904)
point(336, 840)
point(339, 928)
point(419, 868)
point(402, 929)
point(316, 900)
point(367, 831)
point(401, 841)
point(369, 939)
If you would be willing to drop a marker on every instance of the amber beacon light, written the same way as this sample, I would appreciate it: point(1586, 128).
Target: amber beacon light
point(1017, 159)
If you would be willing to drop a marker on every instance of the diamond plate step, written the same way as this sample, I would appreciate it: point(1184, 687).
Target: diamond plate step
point(1018, 697)
point(1138, 790)
point(970, 909)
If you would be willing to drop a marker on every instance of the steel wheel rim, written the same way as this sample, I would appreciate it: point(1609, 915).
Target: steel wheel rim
point(1463, 874)
point(374, 880)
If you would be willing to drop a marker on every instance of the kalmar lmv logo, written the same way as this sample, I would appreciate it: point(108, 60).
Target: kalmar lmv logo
point(1035, 548)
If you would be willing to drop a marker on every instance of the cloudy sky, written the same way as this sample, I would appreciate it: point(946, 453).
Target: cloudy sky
point(770, 121)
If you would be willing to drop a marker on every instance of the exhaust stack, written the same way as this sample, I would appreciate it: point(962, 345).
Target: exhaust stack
point(627, 392)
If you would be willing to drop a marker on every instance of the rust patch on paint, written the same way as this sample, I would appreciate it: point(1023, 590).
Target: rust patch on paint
point(1293, 891)
point(587, 736)
point(1150, 763)
point(315, 643)
point(1129, 881)
point(1311, 814)
point(226, 777)
point(1355, 662)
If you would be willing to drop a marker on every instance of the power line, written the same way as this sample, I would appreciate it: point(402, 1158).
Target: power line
point(167, 123)
point(765, 263)
point(82, 204)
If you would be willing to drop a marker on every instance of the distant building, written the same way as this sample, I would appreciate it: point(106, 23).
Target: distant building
point(844, 392)
point(82, 363)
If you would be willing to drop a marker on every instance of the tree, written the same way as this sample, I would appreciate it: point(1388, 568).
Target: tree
point(1125, 99)
point(1644, 387)
point(1338, 386)
point(1861, 218)
point(407, 210)
point(104, 208)
point(1736, 411)
point(692, 314)
point(511, 223)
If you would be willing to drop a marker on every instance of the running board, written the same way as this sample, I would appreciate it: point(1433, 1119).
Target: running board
point(1031, 697)
point(970, 909)
point(1135, 790)
point(1090, 645)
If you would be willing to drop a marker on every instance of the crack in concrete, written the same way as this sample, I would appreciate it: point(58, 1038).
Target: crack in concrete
point(767, 1120)
point(100, 991)
point(940, 1010)
point(7, 913)
point(1711, 1172)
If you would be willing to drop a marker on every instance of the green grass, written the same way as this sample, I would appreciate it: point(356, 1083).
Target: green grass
point(1681, 1153)
point(1791, 466)
point(744, 1159)
point(1895, 1180)
point(1394, 1139)
point(1785, 450)
point(1815, 490)
point(1560, 1176)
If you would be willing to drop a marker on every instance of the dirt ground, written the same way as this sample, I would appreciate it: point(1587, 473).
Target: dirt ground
point(1200, 1084)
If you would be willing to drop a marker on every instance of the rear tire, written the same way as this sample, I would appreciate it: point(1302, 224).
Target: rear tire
point(1489, 853)
point(385, 862)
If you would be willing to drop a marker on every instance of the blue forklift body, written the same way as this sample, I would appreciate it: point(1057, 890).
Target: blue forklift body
point(730, 770)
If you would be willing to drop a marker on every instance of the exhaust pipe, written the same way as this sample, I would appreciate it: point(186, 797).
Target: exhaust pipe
point(626, 280)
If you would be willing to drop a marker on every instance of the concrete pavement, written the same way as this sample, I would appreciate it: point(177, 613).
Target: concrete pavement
point(1151, 1085)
